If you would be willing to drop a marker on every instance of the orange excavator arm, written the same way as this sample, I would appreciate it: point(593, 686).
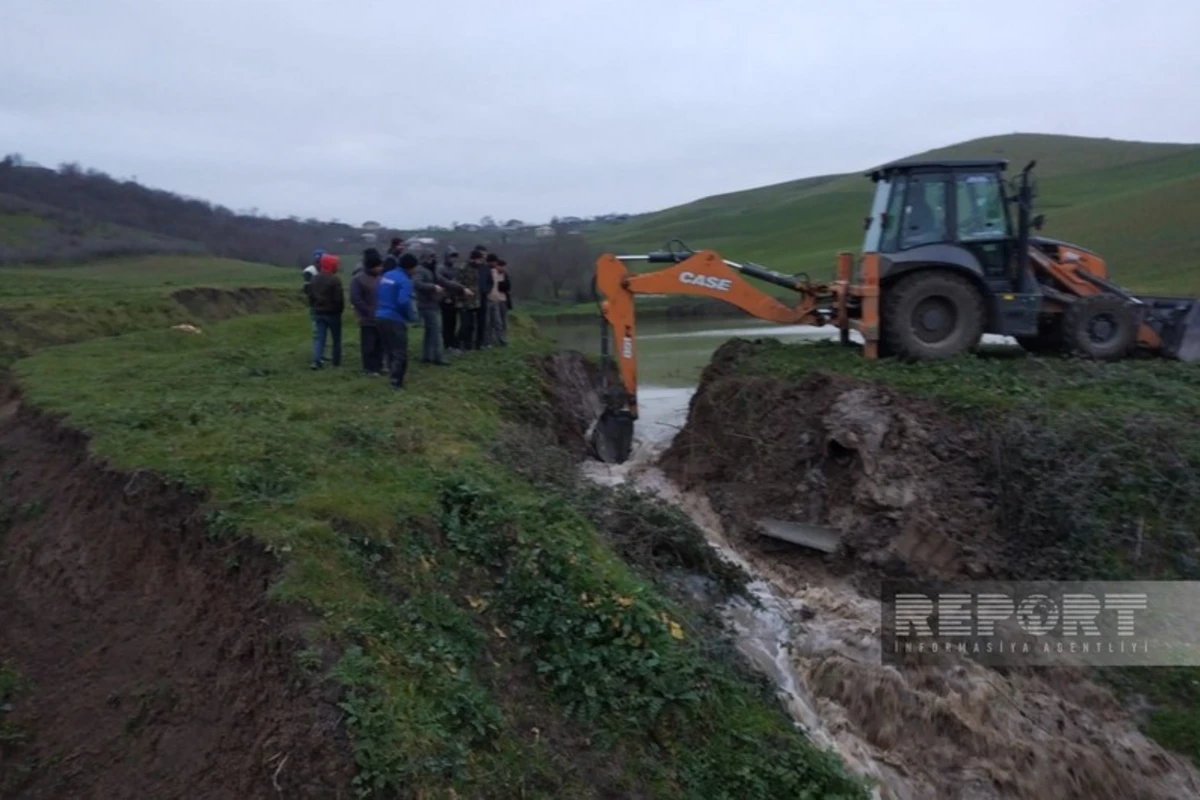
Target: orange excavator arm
point(701, 274)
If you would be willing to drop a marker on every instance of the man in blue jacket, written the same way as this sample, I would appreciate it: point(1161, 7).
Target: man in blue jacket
point(394, 310)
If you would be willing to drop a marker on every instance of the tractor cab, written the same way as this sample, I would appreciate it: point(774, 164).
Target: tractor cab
point(935, 210)
point(956, 217)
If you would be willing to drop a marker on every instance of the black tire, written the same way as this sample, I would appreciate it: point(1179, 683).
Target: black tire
point(1102, 327)
point(1049, 338)
point(928, 316)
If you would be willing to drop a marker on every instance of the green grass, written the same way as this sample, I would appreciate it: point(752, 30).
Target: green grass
point(50, 305)
point(32, 230)
point(471, 611)
point(1098, 467)
point(125, 275)
point(19, 228)
point(1131, 201)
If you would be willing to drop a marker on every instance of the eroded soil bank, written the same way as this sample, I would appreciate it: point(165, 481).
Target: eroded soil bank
point(150, 663)
point(908, 488)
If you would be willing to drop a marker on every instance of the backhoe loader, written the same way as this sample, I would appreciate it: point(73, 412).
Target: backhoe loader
point(942, 263)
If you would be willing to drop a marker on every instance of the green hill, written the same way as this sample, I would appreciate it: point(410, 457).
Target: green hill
point(32, 232)
point(1131, 201)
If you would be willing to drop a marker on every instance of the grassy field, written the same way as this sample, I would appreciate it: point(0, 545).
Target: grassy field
point(1133, 202)
point(472, 602)
point(129, 275)
point(49, 305)
point(1101, 469)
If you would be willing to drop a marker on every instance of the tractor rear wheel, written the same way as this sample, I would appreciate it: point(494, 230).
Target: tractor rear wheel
point(1101, 326)
point(932, 315)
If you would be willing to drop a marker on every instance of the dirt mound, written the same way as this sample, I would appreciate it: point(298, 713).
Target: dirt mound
point(572, 385)
point(899, 480)
point(911, 492)
point(156, 666)
point(968, 732)
point(213, 305)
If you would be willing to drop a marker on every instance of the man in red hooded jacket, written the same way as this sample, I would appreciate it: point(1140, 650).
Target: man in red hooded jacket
point(327, 300)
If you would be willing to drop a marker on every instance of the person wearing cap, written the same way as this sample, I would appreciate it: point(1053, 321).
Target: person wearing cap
point(327, 302)
point(466, 275)
point(484, 285)
point(310, 272)
point(312, 269)
point(394, 313)
point(447, 274)
point(429, 297)
point(362, 297)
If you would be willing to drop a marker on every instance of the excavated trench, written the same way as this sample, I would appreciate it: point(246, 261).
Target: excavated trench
point(156, 667)
point(903, 485)
point(150, 663)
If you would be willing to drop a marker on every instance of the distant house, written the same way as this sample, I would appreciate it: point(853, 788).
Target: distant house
point(371, 226)
point(543, 231)
point(369, 238)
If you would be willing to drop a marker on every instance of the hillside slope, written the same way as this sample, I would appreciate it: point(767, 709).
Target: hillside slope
point(1132, 201)
point(36, 233)
point(144, 219)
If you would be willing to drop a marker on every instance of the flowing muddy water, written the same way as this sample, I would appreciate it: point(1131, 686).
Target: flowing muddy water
point(957, 731)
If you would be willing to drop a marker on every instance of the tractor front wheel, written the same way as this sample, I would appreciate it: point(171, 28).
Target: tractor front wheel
point(933, 315)
point(1101, 326)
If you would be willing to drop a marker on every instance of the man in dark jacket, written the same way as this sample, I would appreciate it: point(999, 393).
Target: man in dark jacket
point(327, 300)
point(450, 300)
point(429, 297)
point(483, 277)
point(393, 311)
point(468, 306)
point(362, 297)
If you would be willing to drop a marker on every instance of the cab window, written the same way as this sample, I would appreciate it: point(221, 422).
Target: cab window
point(875, 222)
point(925, 212)
point(979, 209)
point(890, 241)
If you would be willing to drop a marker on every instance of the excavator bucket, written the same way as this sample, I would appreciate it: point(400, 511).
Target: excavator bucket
point(611, 437)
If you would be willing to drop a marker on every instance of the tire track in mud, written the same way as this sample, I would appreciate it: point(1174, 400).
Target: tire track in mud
point(960, 731)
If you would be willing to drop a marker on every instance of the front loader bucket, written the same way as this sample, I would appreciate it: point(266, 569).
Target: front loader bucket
point(1188, 347)
point(611, 438)
point(1177, 322)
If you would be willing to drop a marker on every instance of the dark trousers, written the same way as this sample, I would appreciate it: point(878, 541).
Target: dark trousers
point(371, 345)
point(449, 331)
point(327, 324)
point(395, 342)
point(466, 333)
point(431, 342)
point(481, 328)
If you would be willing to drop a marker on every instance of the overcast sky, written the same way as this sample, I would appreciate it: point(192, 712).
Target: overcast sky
point(432, 112)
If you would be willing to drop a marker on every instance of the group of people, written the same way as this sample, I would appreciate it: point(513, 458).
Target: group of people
point(461, 305)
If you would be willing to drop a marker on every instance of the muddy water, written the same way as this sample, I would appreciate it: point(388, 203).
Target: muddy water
point(769, 636)
point(959, 731)
point(673, 352)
